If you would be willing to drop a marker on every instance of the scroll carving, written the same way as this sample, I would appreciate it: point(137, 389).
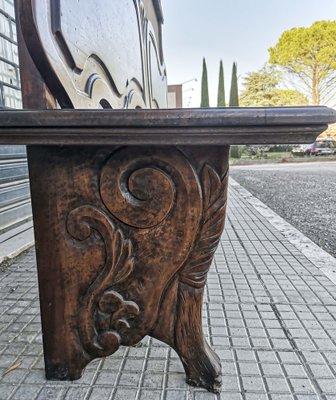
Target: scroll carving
point(141, 191)
point(147, 188)
point(104, 314)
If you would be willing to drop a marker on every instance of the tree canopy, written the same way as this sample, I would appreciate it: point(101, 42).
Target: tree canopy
point(309, 55)
point(261, 90)
point(205, 89)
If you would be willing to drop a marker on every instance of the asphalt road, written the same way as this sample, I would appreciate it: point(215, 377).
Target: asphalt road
point(303, 194)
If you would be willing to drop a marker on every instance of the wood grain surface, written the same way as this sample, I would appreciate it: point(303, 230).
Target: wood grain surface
point(165, 127)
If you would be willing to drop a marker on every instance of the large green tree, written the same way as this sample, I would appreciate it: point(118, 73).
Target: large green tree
point(221, 87)
point(261, 90)
point(309, 55)
point(205, 89)
point(234, 97)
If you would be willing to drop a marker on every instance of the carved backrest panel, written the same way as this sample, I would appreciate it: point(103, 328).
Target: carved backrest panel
point(94, 54)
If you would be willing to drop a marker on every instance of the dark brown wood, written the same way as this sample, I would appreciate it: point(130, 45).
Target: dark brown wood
point(35, 93)
point(165, 127)
point(270, 117)
point(125, 223)
point(128, 206)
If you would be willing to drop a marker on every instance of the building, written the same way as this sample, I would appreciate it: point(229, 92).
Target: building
point(15, 208)
point(175, 99)
point(10, 94)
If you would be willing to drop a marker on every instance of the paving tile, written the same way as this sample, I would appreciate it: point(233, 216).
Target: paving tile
point(124, 394)
point(249, 369)
point(151, 380)
point(14, 376)
point(321, 371)
point(51, 393)
point(76, 393)
point(252, 384)
point(176, 381)
point(106, 378)
point(255, 396)
point(150, 394)
point(277, 385)
point(6, 389)
point(295, 370)
point(100, 393)
point(327, 385)
point(272, 370)
point(230, 383)
point(301, 385)
point(176, 395)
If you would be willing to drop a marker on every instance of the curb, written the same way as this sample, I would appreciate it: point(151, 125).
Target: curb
point(319, 257)
point(16, 245)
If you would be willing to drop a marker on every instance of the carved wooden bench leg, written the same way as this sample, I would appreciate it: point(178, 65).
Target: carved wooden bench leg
point(201, 363)
point(180, 326)
point(180, 320)
point(125, 237)
point(64, 359)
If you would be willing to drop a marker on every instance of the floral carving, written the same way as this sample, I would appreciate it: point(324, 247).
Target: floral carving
point(214, 191)
point(104, 314)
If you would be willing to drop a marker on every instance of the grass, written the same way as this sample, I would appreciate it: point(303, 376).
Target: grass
point(278, 157)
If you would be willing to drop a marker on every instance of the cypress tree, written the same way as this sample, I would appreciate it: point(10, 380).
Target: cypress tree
point(221, 88)
point(235, 151)
point(234, 99)
point(205, 90)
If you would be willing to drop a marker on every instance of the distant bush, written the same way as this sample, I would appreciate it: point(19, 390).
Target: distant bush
point(281, 148)
point(236, 152)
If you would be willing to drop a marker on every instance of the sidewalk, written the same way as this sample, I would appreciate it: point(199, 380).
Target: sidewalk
point(269, 312)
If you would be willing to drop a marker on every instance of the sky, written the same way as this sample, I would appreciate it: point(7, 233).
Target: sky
point(231, 30)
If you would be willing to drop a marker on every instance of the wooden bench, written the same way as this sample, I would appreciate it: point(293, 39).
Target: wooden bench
point(129, 205)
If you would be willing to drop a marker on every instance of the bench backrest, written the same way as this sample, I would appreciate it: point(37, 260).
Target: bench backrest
point(91, 54)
